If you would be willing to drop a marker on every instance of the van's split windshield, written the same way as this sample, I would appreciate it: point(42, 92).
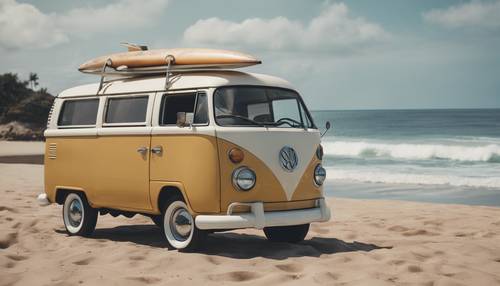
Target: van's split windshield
point(260, 106)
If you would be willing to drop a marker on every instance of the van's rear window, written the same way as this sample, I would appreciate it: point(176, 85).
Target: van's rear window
point(79, 112)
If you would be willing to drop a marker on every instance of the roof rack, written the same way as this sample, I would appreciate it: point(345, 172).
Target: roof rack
point(170, 60)
point(169, 69)
point(108, 63)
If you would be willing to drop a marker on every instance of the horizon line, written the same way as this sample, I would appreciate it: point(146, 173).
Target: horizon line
point(407, 109)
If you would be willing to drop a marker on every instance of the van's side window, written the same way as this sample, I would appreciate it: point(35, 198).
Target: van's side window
point(201, 111)
point(79, 112)
point(127, 110)
point(173, 103)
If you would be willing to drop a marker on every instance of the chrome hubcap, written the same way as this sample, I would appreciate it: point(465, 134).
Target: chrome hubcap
point(75, 213)
point(181, 224)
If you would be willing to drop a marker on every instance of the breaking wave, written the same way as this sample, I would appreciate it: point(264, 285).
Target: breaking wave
point(390, 177)
point(411, 151)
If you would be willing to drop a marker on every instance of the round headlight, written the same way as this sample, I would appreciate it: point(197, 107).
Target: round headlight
point(319, 175)
point(244, 179)
point(319, 152)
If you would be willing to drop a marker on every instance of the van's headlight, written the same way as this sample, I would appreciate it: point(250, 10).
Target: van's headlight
point(319, 175)
point(244, 179)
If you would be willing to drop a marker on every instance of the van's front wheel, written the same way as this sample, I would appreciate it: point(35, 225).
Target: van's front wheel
point(179, 227)
point(290, 233)
point(79, 217)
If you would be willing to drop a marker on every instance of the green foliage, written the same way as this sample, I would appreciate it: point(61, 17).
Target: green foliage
point(12, 90)
point(22, 104)
point(33, 80)
point(33, 110)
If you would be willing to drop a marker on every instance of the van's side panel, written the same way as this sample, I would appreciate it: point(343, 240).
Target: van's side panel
point(70, 163)
point(69, 156)
point(123, 164)
point(191, 159)
point(101, 161)
point(122, 173)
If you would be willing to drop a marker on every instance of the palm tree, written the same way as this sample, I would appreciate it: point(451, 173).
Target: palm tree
point(33, 79)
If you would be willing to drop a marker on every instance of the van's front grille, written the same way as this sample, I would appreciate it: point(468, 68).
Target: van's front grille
point(52, 154)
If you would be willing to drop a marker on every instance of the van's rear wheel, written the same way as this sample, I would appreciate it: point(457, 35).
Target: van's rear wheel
point(79, 217)
point(179, 227)
point(291, 233)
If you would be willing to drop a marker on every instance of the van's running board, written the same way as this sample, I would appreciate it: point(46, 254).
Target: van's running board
point(259, 219)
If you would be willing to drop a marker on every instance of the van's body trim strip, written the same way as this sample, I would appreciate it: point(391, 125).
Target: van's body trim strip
point(68, 132)
point(123, 131)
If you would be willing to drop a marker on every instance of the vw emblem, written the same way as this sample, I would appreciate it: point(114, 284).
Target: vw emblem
point(288, 159)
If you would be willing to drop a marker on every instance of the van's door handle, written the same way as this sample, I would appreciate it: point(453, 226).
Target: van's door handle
point(157, 150)
point(142, 150)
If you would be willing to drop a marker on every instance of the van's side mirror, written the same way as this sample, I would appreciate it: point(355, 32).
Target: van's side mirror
point(327, 127)
point(184, 119)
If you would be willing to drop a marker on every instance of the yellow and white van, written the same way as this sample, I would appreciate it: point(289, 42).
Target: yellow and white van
point(217, 150)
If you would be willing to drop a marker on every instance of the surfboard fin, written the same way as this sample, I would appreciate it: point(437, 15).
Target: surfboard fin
point(134, 47)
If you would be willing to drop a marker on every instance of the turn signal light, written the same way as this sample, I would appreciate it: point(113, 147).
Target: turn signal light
point(236, 155)
point(319, 152)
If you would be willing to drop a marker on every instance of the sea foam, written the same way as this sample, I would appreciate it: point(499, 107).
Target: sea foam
point(391, 177)
point(414, 151)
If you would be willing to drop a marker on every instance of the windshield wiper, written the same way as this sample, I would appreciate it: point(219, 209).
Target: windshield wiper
point(240, 117)
point(292, 122)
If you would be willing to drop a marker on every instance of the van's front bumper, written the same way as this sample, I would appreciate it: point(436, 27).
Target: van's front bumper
point(257, 218)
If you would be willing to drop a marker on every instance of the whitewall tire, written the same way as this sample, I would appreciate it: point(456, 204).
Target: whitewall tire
point(179, 227)
point(78, 216)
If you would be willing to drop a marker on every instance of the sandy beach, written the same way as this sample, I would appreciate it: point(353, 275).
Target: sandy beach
point(366, 243)
point(216, 115)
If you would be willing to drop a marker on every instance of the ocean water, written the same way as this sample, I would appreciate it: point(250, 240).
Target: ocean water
point(450, 156)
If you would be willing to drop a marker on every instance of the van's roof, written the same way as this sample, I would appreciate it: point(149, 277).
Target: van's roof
point(191, 80)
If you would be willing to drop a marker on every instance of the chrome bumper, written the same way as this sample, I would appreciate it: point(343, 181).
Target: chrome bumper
point(42, 200)
point(259, 219)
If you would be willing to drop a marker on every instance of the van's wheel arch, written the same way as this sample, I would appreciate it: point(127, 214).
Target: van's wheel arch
point(78, 216)
point(179, 227)
point(61, 195)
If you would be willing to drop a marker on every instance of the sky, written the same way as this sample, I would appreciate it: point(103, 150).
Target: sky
point(356, 54)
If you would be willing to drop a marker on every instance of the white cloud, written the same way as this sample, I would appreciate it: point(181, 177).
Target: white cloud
point(121, 15)
point(334, 28)
point(25, 26)
point(472, 14)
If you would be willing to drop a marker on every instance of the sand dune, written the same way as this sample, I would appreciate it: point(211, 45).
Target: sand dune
point(367, 243)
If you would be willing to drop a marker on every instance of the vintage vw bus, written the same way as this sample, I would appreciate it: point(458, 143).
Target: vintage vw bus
point(216, 150)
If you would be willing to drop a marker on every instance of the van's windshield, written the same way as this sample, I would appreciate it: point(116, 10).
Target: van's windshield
point(260, 106)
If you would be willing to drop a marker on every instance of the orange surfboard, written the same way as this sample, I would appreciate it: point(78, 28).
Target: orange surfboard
point(156, 60)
